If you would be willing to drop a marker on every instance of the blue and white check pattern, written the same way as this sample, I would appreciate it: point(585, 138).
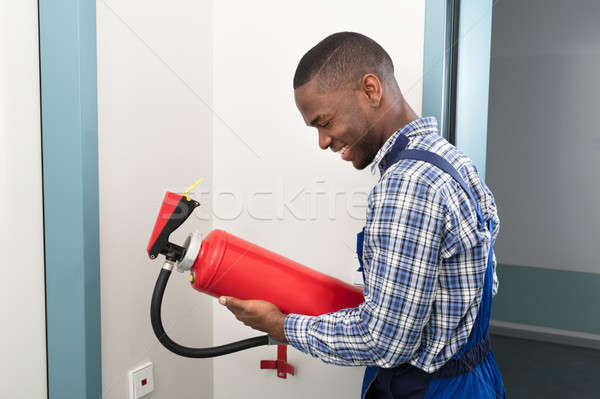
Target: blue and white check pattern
point(424, 258)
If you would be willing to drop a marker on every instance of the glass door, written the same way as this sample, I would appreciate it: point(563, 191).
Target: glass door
point(526, 112)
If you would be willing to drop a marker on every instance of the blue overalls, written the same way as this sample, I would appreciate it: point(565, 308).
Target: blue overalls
point(472, 372)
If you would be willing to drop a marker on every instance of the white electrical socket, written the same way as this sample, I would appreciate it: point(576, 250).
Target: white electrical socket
point(141, 381)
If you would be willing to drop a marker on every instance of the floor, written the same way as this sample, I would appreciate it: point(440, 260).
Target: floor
point(533, 369)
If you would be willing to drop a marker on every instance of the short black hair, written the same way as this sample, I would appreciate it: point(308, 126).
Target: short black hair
point(341, 58)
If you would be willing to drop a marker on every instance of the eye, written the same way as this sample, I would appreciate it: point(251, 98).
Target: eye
point(325, 124)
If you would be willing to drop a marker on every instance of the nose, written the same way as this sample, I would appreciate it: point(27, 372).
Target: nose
point(324, 140)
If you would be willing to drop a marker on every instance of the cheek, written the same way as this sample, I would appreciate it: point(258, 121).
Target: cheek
point(356, 130)
point(361, 135)
point(365, 147)
point(353, 123)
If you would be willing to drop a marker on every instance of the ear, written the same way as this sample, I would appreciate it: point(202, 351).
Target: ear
point(372, 88)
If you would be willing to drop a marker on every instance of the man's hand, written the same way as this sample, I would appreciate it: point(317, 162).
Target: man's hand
point(260, 315)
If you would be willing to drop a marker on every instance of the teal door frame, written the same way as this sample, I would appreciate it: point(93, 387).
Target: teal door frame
point(67, 40)
point(436, 53)
point(456, 65)
point(473, 45)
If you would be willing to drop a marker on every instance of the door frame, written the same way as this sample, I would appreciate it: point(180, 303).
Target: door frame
point(456, 65)
point(68, 101)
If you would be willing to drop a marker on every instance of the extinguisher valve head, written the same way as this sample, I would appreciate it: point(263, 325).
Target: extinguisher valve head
point(192, 248)
point(174, 210)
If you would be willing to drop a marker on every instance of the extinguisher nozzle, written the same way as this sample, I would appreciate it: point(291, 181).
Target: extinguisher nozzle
point(161, 334)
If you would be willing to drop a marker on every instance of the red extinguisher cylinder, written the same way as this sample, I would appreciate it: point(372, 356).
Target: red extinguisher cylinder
point(228, 265)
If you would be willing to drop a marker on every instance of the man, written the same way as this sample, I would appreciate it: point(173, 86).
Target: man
point(428, 266)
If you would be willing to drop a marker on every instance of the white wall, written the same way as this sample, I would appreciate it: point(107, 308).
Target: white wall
point(23, 332)
point(262, 145)
point(154, 94)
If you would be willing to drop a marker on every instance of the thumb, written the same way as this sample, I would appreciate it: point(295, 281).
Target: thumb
point(231, 302)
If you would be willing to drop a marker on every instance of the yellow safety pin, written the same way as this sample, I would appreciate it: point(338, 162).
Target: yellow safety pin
point(190, 188)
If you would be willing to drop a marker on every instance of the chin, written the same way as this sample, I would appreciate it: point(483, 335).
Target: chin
point(361, 159)
point(360, 164)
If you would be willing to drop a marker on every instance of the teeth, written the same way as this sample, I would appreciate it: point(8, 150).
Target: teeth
point(343, 150)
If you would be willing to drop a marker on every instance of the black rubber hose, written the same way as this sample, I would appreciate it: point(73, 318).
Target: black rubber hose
point(157, 326)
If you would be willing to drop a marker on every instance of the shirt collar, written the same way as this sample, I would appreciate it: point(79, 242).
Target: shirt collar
point(418, 126)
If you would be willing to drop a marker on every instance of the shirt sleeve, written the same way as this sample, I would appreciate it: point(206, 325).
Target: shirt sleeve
point(401, 255)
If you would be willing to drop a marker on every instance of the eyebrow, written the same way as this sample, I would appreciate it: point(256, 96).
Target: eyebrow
point(318, 119)
point(315, 121)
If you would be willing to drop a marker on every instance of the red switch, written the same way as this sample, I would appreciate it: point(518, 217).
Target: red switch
point(144, 381)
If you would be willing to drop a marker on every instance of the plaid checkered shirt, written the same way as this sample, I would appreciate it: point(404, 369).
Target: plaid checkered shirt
point(424, 259)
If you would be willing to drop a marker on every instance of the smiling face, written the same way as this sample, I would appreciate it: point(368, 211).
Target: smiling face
point(345, 118)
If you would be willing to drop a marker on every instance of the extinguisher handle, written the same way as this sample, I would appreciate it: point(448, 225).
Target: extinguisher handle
point(174, 211)
point(161, 334)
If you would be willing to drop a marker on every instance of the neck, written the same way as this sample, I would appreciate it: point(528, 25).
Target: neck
point(399, 116)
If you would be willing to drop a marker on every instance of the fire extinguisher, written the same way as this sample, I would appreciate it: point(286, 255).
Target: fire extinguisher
point(223, 264)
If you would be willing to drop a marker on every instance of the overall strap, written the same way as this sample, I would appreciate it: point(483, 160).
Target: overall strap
point(360, 238)
point(480, 328)
point(443, 164)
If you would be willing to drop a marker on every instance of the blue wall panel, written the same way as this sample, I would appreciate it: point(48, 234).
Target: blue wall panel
point(548, 298)
point(70, 172)
point(473, 79)
point(434, 55)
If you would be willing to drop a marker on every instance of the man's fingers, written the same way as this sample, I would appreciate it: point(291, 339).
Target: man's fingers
point(232, 303)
